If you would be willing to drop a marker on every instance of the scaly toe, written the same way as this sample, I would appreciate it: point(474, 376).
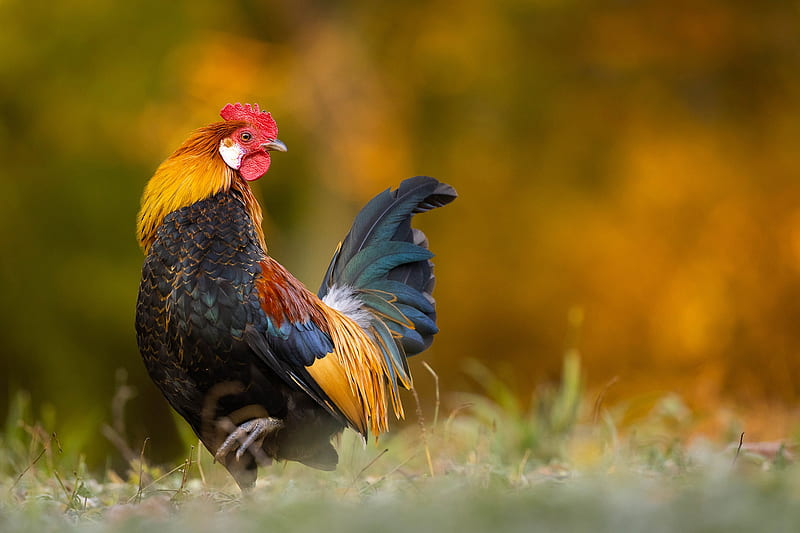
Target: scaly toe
point(249, 433)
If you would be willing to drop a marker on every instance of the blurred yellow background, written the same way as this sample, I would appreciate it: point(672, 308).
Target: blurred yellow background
point(628, 174)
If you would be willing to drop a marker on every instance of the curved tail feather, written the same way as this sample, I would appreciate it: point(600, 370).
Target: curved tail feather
point(381, 275)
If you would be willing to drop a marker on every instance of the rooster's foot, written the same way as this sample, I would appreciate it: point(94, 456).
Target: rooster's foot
point(249, 433)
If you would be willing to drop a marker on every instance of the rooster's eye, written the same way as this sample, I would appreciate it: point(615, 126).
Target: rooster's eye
point(246, 136)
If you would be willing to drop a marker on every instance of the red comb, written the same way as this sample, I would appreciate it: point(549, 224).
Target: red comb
point(252, 114)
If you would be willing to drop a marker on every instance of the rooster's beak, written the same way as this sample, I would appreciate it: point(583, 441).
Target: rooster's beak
point(274, 146)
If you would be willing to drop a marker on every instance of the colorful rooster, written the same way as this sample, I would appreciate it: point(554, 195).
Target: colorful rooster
point(260, 367)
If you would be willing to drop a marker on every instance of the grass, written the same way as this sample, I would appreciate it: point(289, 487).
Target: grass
point(557, 464)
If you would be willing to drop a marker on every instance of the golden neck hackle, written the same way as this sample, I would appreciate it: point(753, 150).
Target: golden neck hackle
point(194, 172)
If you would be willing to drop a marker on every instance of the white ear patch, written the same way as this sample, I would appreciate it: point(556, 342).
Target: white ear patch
point(231, 153)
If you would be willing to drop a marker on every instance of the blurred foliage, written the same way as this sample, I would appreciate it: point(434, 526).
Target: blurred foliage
point(540, 429)
point(629, 160)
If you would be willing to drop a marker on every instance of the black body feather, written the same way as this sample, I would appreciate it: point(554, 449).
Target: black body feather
point(197, 301)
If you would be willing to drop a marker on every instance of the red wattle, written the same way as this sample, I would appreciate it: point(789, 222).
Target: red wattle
point(254, 166)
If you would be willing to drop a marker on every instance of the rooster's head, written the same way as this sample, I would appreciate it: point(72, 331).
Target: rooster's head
point(247, 148)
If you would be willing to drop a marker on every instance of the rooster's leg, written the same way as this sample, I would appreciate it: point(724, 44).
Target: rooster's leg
point(251, 432)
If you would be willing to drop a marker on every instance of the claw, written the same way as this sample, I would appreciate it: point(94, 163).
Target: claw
point(251, 432)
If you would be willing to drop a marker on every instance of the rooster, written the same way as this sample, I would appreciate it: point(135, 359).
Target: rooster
point(261, 368)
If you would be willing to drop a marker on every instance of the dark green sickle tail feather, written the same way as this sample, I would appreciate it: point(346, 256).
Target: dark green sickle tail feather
point(381, 275)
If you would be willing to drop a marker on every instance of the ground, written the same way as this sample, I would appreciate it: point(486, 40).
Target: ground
point(560, 464)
